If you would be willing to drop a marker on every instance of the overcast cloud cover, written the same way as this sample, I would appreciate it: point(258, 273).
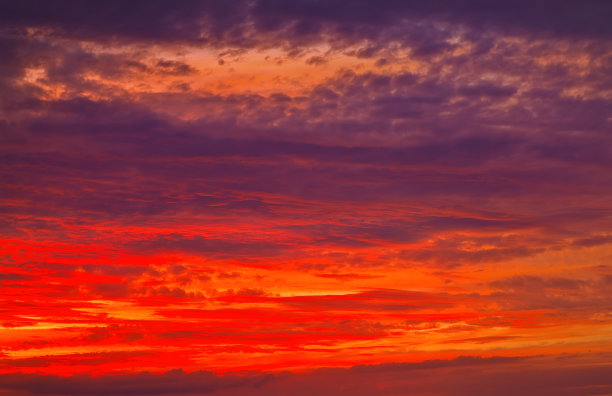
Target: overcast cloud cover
point(333, 197)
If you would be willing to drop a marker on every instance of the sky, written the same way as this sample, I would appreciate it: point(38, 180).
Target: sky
point(271, 197)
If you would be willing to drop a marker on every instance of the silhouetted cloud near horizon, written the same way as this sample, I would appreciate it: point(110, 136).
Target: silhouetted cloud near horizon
point(465, 375)
point(200, 187)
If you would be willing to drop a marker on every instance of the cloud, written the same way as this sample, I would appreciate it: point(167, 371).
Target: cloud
point(211, 246)
point(316, 60)
point(563, 295)
point(15, 277)
point(534, 283)
point(452, 151)
point(346, 277)
point(373, 300)
point(593, 241)
point(463, 376)
point(246, 24)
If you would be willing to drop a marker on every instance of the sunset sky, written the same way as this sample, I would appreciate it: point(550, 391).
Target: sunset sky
point(305, 197)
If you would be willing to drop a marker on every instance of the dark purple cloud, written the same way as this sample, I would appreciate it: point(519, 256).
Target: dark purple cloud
point(121, 159)
point(462, 376)
point(242, 23)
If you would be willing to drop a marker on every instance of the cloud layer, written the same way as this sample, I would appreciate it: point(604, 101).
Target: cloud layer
point(262, 186)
